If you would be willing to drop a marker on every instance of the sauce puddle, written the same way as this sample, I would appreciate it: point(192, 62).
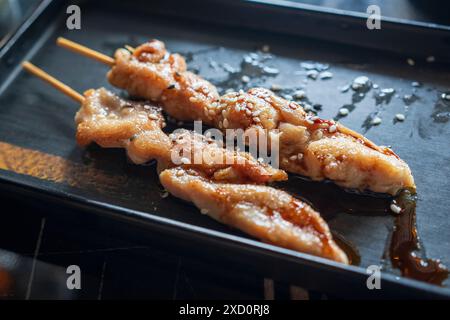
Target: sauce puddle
point(406, 252)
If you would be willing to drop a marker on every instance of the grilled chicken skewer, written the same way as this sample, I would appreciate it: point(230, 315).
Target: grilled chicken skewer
point(268, 214)
point(310, 146)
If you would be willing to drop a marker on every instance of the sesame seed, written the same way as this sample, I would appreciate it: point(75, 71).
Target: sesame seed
point(376, 121)
point(265, 48)
point(185, 161)
point(260, 160)
point(204, 211)
point(312, 74)
point(153, 116)
point(326, 75)
point(332, 129)
point(256, 119)
point(395, 208)
point(193, 99)
point(300, 156)
point(275, 87)
point(299, 94)
point(293, 158)
point(411, 62)
point(344, 112)
point(431, 59)
point(318, 134)
point(225, 123)
point(212, 112)
point(256, 113)
point(307, 107)
point(270, 70)
point(310, 121)
point(400, 117)
point(165, 194)
point(248, 112)
point(245, 79)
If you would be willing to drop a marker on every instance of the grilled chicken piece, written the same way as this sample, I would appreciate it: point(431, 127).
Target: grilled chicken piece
point(268, 214)
point(152, 74)
point(309, 146)
point(110, 121)
point(192, 150)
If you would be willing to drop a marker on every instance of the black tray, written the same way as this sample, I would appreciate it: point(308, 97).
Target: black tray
point(34, 116)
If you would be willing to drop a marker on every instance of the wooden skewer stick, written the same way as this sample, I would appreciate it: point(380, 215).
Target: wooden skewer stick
point(31, 68)
point(78, 48)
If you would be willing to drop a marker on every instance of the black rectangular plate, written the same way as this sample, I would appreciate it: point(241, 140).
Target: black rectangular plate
point(34, 116)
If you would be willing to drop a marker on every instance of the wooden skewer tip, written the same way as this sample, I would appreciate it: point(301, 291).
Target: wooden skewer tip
point(83, 50)
point(31, 68)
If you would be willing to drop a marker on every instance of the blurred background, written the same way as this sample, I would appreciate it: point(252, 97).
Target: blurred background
point(13, 12)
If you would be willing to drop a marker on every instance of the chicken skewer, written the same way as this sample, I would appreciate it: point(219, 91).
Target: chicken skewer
point(112, 122)
point(310, 146)
point(268, 214)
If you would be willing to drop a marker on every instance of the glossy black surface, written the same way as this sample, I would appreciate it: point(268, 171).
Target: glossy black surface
point(32, 115)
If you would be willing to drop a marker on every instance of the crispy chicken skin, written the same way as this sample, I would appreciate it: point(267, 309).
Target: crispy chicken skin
point(268, 214)
point(309, 146)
